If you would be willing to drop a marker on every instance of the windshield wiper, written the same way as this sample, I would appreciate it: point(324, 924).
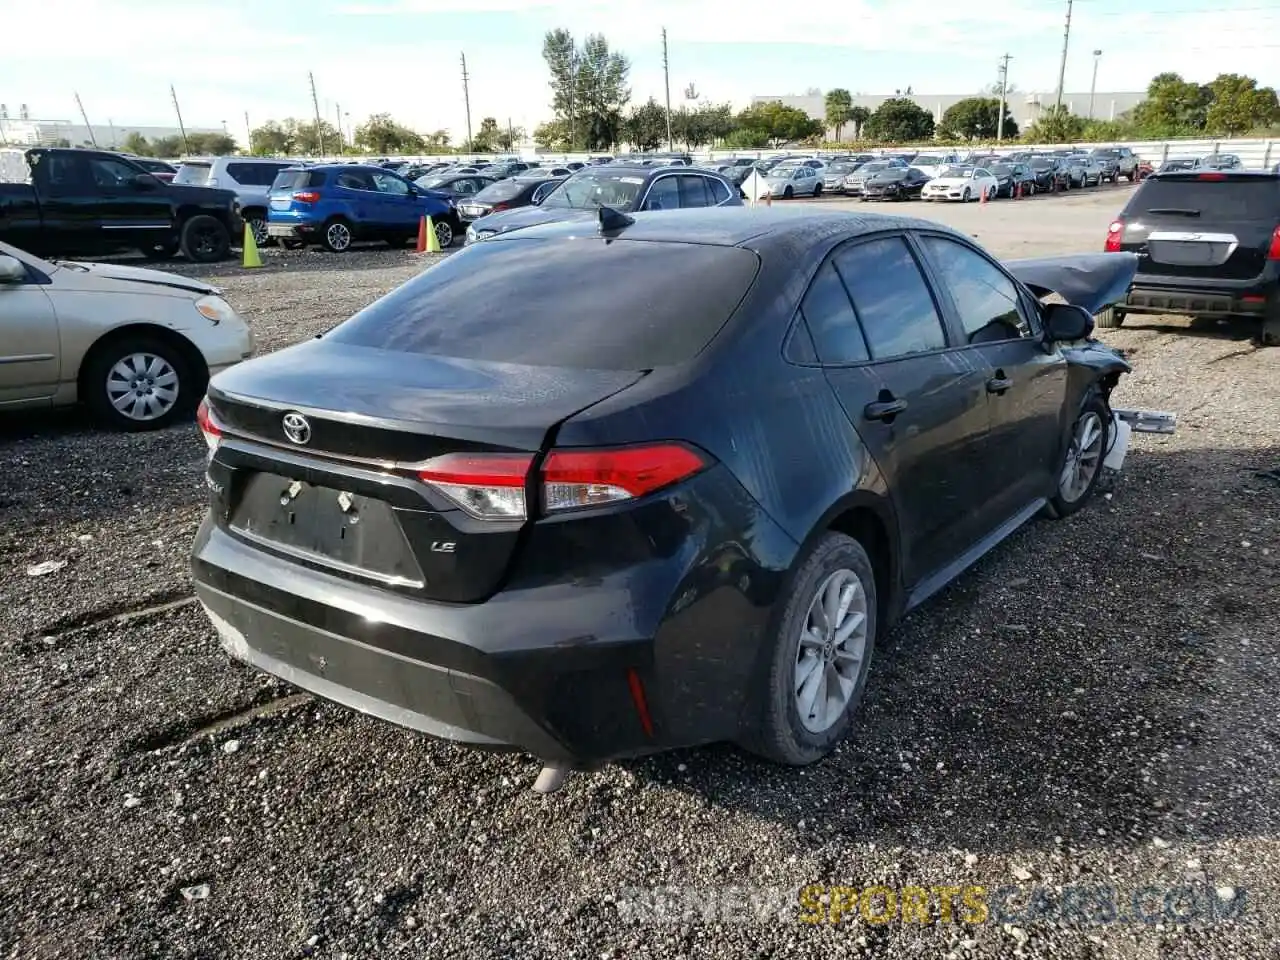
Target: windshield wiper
point(1176, 211)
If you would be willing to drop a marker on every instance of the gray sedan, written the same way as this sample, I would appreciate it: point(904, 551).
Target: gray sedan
point(793, 181)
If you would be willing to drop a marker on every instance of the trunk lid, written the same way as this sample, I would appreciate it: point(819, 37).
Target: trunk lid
point(345, 497)
point(1198, 225)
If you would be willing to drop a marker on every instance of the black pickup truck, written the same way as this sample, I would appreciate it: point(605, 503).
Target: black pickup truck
point(91, 202)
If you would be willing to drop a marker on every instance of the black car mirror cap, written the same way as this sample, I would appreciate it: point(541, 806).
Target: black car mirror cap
point(1065, 322)
point(145, 181)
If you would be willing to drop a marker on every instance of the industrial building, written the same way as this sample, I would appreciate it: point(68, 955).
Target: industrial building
point(47, 133)
point(1025, 108)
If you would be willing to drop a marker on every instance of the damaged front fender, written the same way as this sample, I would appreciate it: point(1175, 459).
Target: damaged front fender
point(1094, 281)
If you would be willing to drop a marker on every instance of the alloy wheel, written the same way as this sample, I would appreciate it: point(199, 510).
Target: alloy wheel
point(338, 236)
point(1084, 457)
point(830, 651)
point(142, 386)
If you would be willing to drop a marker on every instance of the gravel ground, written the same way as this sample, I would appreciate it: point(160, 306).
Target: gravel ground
point(1092, 704)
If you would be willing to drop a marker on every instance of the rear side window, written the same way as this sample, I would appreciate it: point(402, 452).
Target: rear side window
point(891, 298)
point(195, 174)
point(297, 179)
point(832, 322)
point(586, 304)
point(253, 174)
point(1243, 198)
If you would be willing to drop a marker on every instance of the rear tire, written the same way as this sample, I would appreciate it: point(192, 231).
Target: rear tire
point(204, 239)
point(1269, 336)
point(337, 235)
point(817, 191)
point(1110, 318)
point(805, 654)
point(146, 369)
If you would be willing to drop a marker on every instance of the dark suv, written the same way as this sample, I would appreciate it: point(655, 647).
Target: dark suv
point(1209, 247)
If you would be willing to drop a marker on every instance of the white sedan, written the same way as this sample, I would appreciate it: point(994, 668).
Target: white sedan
point(135, 346)
point(961, 182)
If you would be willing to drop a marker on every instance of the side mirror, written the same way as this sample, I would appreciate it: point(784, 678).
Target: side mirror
point(1065, 322)
point(11, 270)
point(145, 181)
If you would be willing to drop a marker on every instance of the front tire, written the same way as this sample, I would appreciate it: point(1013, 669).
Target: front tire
point(817, 191)
point(138, 383)
point(965, 196)
point(822, 649)
point(1082, 461)
point(787, 193)
point(444, 233)
point(204, 239)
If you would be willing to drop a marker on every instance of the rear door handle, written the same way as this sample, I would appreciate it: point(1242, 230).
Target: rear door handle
point(884, 409)
point(998, 384)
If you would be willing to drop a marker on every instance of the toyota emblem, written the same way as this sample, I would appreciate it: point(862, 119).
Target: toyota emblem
point(296, 428)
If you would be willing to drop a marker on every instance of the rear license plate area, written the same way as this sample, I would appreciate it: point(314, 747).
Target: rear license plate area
point(331, 527)
point(1190, 253)
point(279, 230)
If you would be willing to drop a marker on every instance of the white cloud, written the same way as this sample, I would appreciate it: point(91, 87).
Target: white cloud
point(225, 58)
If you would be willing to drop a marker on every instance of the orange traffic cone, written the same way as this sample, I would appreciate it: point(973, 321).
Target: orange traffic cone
point(1017, 190)
point(422, 235)
point(768, 199)
point(983, 199)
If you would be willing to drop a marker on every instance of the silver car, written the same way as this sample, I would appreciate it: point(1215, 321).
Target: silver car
point(249, 177)
point(787, 181)
point(833, 177)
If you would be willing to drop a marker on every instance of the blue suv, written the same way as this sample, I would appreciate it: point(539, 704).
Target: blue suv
point(334, 204)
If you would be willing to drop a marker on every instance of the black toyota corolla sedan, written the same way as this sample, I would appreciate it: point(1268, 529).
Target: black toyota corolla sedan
point(596, 489)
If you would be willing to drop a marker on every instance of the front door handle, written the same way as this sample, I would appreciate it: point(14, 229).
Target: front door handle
point(999, 384)
point(884, 409)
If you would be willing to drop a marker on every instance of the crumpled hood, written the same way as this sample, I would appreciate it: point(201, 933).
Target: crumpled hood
point(132, 275)
point(1090, 280)
point(508, 220)
point(138, 274)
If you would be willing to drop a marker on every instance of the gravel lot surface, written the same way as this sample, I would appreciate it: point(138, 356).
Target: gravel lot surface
point(1095, 703)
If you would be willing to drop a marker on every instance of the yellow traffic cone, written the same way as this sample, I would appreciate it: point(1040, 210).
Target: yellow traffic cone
point(251, 257)
point(433, 242)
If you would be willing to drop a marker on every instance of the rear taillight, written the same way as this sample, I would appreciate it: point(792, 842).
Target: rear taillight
point(492, 486)
point(209, 427)
point(498, 207)
point(306, 196)
point(1273, 252)
point(1115, 233)
point(1212, 176)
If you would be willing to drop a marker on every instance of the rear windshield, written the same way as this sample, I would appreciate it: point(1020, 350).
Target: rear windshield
point(1233, 199)
point(585, 304)
point(193, 173)
point(297, 179)
point(155, 166)
point(502, 190)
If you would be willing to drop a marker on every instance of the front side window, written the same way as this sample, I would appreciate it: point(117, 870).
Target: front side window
point(986, 299)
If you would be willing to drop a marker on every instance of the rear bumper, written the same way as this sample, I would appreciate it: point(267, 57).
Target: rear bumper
point(549, 668)
point(1221, 298)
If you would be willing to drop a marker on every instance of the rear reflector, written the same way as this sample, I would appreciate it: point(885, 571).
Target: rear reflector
point(492, 486)
point(306, 196)
point(1273, 253)
point(1115, 233)
point(209, 427)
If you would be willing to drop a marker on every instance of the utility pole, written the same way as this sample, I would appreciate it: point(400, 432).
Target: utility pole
point(666, 79)
point(248, 132)
point(1062, 68)
point(111, 125)
point(574, 65)
point(511, 136)
point(315, 105)
point(85, 117)
point(186, 147)
point(342, 137)
point(1004, 93)
point(466, 98)
point(1093, 84)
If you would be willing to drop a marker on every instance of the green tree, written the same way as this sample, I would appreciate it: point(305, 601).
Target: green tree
point(858, 116)
point(702, 125)
point(1238, 105)
point(774, 123)
point(975, 118)
point(837, 104)
point(1056, 125)
point(552, 135)
point(270, 140)
point(508, 138)
point(646, 126)
point(136, 144)
point(312, 139)
point(381, 134)
point(588, 88)
point(899, 120)
point(167, 147)
point(436, 141)
point(1173, 107)
point(211, 144)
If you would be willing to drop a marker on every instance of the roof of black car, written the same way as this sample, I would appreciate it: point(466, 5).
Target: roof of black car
point(732, 226)
point(1208, 173)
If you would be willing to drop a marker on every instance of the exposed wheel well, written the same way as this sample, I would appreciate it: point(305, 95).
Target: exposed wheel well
point(194, 358)
point(866, 527)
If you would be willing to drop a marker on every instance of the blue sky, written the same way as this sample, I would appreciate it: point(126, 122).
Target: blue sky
point(227, 57)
